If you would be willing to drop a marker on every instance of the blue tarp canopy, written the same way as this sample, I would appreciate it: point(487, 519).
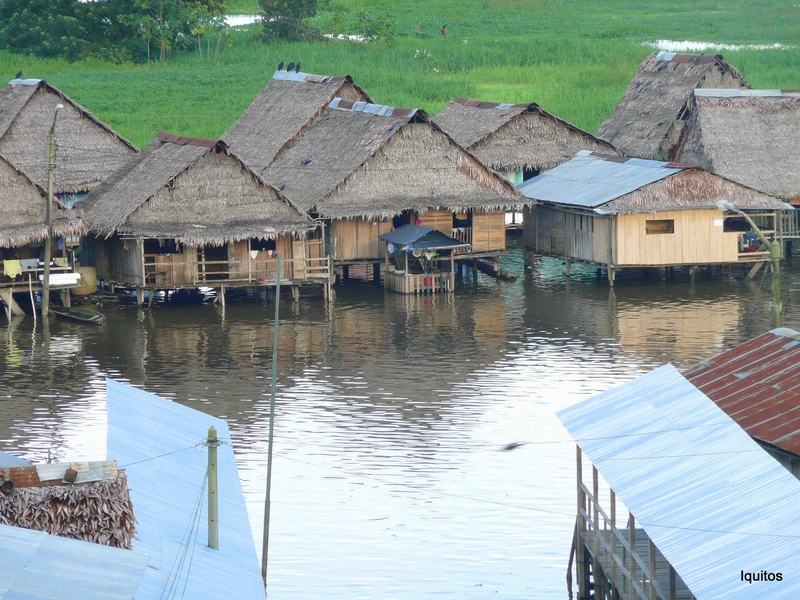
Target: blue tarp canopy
point(421, 237)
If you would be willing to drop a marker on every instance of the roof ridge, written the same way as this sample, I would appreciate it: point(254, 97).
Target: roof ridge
point(182, 140)
point(380, 110)
point(472, 102)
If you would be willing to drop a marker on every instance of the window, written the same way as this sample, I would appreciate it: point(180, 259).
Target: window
point(660, 226)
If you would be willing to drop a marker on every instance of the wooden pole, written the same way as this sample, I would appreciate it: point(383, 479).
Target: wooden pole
point(267, 502)
point(652, 570)
point(579, 551)
point(632, 540)
point(613, 500)
point(51, 171)
point(213, 498)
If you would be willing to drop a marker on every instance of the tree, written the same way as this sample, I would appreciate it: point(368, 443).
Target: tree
point(47, 28)
point(286, 19)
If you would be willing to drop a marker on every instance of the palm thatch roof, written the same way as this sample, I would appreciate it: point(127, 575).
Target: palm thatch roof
point(23, 210)
point(98, 511)
point(649, 120)
point(612, 185)
point(87, 150)
point(749, 136)
point(190, 189)
point(515, 137)
point(368, 160)
point(283, 111)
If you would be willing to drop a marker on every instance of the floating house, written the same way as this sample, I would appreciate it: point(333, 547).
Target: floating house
point(708, 510)
point(518, 140)
point(748, 136)
point(621, 213)
point(157, 439)
point(757, 385)
point(366, 168)
point(283, 111)
point(187, 212)
point(87, 151)
point(650, 119)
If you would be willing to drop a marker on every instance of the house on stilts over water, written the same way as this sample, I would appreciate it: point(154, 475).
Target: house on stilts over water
point(709, 513)
point(187, 213)
point(86, 152)
point(649, 121)
point(366, 168)
point(749, 136)
point(622, 213)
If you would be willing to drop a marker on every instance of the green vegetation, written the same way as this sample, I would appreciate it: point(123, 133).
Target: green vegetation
point(574, 57)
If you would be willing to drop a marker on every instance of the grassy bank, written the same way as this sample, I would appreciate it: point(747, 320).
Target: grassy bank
point(574, 57)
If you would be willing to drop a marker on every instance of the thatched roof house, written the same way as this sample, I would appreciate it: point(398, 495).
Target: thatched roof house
point(649, 120)
point(373, 161)
point(192, 189)
point(749, 136)
point(631, 212)
point(283, 111)
point(518, 139)
point(87, 150)
point(23, 209)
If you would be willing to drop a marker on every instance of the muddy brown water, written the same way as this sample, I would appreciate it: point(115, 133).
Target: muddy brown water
point(391, 412)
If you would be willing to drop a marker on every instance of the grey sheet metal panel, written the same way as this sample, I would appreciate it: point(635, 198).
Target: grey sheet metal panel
point(589, 181)
point(9, 460)
point(712, 501)
point(39, 566)
point(744, 93)
point(142, 428)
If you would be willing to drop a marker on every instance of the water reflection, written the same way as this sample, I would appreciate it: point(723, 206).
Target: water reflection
point(388, 481)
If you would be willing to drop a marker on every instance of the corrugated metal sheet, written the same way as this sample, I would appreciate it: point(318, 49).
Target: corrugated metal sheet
point(744, 93)
point(589, 180)
point(9, 460)
point(87, 471)
point(709, 497)
point(142, 429)
point(758, 385)
point(39, 566)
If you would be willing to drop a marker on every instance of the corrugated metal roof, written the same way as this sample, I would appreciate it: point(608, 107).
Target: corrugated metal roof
point(744, 93)
point(711, 499)
point(143, 430)
point(590, 180)
point(380, 110)
point(758, 385)
point(39, 566)
point(9, 460)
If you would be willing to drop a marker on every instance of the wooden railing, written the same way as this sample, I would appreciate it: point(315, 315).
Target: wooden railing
point(262, 271)
point(462, 234)
point(417, 283)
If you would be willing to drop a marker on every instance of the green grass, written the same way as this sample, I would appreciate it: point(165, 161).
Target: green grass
point(574, 57)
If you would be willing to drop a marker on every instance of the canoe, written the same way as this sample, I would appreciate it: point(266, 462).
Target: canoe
point(80, 314)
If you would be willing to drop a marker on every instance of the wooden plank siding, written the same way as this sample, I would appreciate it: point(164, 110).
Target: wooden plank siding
point(488, 231)
point(439, 219)
point(357, 239)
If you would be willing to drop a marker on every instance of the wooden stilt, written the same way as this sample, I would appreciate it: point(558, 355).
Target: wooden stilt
point(376, 273)
point(755, 269)
point(295, 293)
point(12, 308)
point(611, 276)
point(150, 298)
point(222, 295)
point(139, 296)
point(345, 273)
point(567, 264)
point(692, 272)
point(580, 554)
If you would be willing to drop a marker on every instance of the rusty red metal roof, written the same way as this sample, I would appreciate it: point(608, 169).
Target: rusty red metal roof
point(758, 385)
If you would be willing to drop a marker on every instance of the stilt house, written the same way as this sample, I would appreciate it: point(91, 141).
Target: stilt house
point(749, 136)
point(707, 509)
point(366, 168)
point(518, 140)
point(186, 212)
point(283, 111)
point(650, 120)
point(87, 151)
point(622, 213)
point(757, 384)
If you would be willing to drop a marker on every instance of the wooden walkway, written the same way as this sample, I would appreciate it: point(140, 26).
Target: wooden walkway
point(603, 560)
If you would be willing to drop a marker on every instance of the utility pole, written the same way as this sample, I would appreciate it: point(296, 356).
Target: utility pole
point(265, 542)
point(51, 172)
point(774, 257)
point(213, 497)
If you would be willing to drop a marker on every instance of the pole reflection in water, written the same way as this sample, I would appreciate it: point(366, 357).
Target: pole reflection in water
point(390, 412)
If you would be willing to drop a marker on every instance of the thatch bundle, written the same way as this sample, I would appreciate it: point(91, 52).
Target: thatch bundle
point(98, 511)
point(515, 137)
point(87, 150)
point(375, 161)
point(691, 189)
point(23, 207)
point(749, 138)
point(283, 111)
point(650, 118)
point(193, 190)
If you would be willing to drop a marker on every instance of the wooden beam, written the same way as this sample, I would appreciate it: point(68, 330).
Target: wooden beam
point(13, 308)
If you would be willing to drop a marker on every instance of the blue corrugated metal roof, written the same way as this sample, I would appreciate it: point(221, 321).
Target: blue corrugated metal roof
point(39, 566)
point(9, 460)
point(589, 181)
point(713, 502)
point(143, 430)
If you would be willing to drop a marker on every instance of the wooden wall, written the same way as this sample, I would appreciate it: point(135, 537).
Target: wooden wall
point(488, 231)
point(698, 238)
point(124, 260)
point(357, 239)
point(439, 219)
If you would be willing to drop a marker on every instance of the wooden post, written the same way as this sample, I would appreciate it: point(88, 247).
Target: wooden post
point(613, 500)
point(692, 272)
point(580, 557)
point(139, 296)
point(611, 276)
point(595, 514)
point(13, 308)
point(213, 498)
point(345, 273)
point(452, 270)
point(51, 171)
point(567, 264)
point(671, 584)
point(652, 570)
point(632, 541)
